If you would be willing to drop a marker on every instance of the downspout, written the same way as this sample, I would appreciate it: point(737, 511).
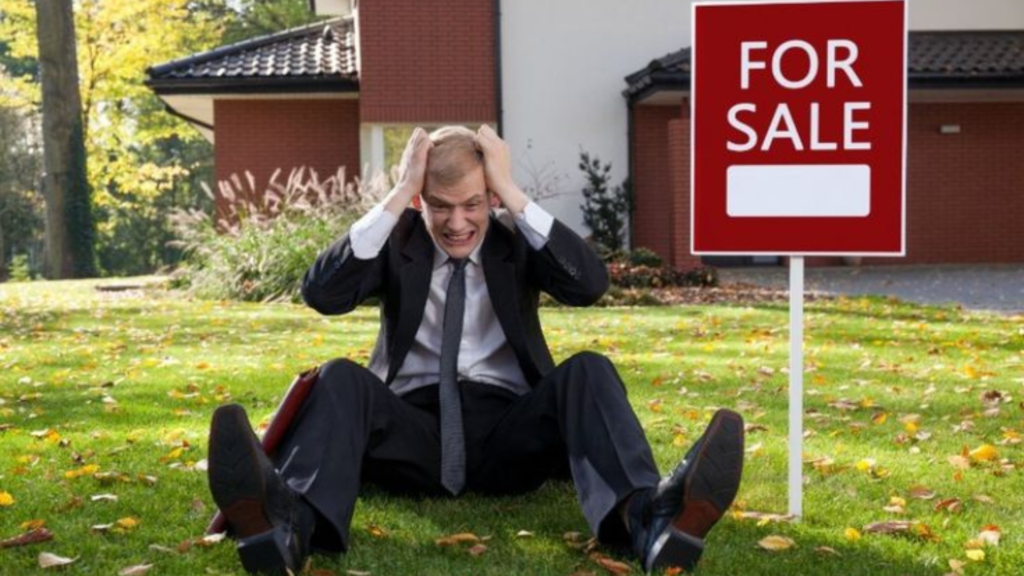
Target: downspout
point(497, 68)
point(629, 166)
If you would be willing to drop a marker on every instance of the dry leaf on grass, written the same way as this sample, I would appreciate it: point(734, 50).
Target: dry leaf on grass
point(613, 566)
point(48, 560)
point(460, 538)
point(921, 493)
point(477, 549)
point(137, 570)
point(775, 543)
point(32, 537)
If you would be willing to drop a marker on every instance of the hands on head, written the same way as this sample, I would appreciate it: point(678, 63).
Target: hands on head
point(497, 164)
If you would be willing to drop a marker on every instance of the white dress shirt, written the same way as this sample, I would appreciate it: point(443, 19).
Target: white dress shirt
point(484, 354)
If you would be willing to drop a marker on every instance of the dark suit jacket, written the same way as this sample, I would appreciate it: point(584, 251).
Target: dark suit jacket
point(566, 268)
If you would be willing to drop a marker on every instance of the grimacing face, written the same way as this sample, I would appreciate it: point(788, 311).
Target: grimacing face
point(457, 216)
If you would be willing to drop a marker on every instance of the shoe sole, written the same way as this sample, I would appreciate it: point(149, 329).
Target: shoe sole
point(710, 487)
point(239, 489)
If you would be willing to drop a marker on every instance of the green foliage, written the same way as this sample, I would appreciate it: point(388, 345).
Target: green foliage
point(132, 171)
point(19, 269)
point(259, 252)
point(21, 207)
point(605, 209)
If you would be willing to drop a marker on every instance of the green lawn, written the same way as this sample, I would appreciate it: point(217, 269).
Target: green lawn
point(111, 393)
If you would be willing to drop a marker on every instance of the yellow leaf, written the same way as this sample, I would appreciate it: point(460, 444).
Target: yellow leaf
point(976, 555)
point(984, 453)
point(852, 534)
point(866, 464)
point(6, 499)
point(83, 471)
point(776, 543)
point(33, 524)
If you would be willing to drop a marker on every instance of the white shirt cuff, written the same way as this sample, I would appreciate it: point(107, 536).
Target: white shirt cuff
point(535, 223)
point(369, 234)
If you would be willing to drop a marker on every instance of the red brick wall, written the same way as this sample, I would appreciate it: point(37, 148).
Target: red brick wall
point(965, 192)
point(678, 146)
point(261, 136)
point(652, 179)
point(427, 62)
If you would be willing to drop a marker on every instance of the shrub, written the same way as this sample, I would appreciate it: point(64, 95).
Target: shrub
point(260, 249)
point(605, 209)
point(20, 270)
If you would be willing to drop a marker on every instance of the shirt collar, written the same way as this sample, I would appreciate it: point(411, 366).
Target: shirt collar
point(441, 257)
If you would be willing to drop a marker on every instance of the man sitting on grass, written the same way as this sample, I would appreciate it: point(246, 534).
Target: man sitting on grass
point(461, 393)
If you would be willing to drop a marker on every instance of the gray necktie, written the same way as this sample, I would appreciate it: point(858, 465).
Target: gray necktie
point(453, 443)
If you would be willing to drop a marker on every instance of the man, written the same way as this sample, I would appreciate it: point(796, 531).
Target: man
point(461, 392)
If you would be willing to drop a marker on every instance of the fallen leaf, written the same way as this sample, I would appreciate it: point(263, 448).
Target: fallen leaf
point(376, 531)
point(353, 573)
point(951, 505)
point(827, 550)
point(457, 539)
point(477, 549)
point(990, 535)
point(6, 499)
point(976, 555)
point(775, 543)
point(921, 493)
point(83, 471)
point(852, 534)
point(136, 570)
point(33, 537)
point(984, 453)
point(47, 560)
point(613, 566)
point(34, 524)
point(960, 462)
point(524, 534)
point(104, 498)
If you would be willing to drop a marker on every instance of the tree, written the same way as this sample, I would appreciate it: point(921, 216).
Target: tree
point(69, 225)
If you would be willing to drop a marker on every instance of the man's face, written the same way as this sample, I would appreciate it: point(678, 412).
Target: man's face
point(457, 216)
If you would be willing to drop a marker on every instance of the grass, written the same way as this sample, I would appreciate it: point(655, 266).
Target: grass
point(127, 381)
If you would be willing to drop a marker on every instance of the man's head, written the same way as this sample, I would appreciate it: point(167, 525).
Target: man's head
point(456, 203)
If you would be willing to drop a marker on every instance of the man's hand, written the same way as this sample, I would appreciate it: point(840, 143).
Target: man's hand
point(412, 172)
point(498, 169)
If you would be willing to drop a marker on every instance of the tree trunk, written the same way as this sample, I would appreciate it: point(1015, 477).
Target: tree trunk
point(69, 224)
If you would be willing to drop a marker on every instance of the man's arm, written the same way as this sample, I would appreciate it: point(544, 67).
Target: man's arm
point(354, 268)
point(561, 263)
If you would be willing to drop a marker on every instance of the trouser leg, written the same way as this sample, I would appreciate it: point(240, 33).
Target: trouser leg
point(350, 425)
point(578, 412)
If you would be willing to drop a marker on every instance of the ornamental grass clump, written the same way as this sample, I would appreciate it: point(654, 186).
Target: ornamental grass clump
point(258, 244)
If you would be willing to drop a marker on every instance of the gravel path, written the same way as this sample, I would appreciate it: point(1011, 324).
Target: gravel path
point(978, 287)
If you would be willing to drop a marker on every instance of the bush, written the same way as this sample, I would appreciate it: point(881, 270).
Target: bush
point(260, 250)
point(626, 275)
point(605, 209)
point(20, 270)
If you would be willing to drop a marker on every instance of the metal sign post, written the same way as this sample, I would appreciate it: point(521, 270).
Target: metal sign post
point(796, 384)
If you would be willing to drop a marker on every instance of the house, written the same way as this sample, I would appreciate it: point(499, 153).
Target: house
point(609, 78)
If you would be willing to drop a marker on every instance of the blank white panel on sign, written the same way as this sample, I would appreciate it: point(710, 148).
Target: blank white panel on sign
point(798, 190)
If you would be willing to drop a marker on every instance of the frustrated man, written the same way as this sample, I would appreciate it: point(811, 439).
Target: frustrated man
point(461, 393)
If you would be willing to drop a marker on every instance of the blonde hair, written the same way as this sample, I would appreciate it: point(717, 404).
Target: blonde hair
point(453, 155)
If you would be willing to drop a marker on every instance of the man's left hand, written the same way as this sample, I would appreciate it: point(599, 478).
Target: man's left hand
point(498, 169)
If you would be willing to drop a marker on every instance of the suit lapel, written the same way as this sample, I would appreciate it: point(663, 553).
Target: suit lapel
point(500, 276)
point(418, 258)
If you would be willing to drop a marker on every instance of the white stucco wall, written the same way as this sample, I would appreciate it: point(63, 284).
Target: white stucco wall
point(563, 64)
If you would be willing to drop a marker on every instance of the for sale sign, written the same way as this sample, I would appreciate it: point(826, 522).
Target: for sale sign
point(798, 114)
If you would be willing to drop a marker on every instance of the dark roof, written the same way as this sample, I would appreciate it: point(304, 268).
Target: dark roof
point(317, 57)
point(948, 59)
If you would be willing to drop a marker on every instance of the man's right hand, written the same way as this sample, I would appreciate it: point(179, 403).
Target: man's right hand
point(412, 171)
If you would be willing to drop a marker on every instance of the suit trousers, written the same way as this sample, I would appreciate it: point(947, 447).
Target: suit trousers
point(352, 429)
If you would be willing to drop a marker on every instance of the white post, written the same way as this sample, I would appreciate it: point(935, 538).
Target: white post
point(796, 384)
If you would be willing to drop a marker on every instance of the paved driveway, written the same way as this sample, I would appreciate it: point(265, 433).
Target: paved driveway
point(991, 287)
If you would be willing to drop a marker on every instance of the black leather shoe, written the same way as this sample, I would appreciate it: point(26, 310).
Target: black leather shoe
point(668, 523)
point(270, 522)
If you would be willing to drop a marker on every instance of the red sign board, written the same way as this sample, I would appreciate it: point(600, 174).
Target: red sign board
point(798, 131)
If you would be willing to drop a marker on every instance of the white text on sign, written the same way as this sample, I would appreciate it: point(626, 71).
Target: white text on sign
point(839, 57)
